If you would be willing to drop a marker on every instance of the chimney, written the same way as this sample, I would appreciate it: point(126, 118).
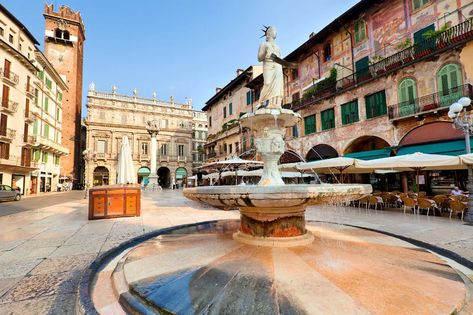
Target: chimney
point(217, 89)
point(239, 71)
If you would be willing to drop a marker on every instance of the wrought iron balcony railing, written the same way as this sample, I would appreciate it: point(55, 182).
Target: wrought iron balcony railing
point(9, 76)
point(9, 106)
point(446, 40)
point(428, 103)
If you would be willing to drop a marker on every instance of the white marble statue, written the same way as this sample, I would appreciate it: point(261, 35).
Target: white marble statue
point(273, 89)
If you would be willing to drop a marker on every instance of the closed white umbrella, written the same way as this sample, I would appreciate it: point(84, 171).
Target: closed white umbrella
point(125, 169)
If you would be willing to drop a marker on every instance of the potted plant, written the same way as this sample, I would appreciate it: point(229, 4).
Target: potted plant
point(404, 44)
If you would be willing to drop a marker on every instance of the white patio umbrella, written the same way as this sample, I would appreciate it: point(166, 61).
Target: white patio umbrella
point(416, 161)
point(125, 169)
point(232, 164)
point(340, 164)
point(466, 158)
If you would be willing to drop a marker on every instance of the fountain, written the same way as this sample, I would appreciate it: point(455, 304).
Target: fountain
point(269, 261)
point(272, 213)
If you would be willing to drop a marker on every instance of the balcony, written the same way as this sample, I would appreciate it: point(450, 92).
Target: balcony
point(49, 145)
point(9, 76)
point(9, 107)
point(182, 159)
point(17, 164)
point(444, 41)
point(7, 135)
point(29, 89)
point(144, 157)
point(28, 140)
point(29, 118)
point(164, 158)
point(212, 154)
point(429, 103)
point(34, 112)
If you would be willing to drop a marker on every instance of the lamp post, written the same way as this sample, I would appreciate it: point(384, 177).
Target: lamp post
point(464, 122)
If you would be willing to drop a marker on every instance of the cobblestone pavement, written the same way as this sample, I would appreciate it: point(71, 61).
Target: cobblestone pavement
point(42, 252)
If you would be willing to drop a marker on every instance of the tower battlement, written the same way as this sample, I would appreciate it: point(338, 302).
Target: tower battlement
point(64, 13)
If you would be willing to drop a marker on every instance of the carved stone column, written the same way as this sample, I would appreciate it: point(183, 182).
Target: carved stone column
point(152, 127)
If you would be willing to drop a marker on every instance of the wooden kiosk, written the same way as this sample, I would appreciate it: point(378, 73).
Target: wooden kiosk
point(114, 201)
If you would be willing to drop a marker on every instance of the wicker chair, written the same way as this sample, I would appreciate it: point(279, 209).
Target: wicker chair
point(457, 207)
point(365, 200)
point(421, 194)
point(376, 200)
point(426, 204)
point(441, 201)
point(409, 203)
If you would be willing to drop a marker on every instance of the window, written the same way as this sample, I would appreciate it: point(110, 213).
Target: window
point(4, 150)
point(375, 104)
point(36, 96)
point(5, 95)
point(296, 96)
point(180, 149)
point(59, 96)
point(350, 112)
point(360, 31)
point(309, 124)
point(449, 79)
point(45, 157)
point(328, 119)
point(144, 148)
point(224, 112)
point(295, 131)
point(10, 38)
point(164, 149)
point(407, 95)
point(101, 146)
point(46, 131)
point(210, 121)
point(230, 109)
point(327, 52)
point(295, 74)
point(417, 4)
point(56, 159)
point(230, 148)
point(1, 32)
point(46, 104)
point(237, 147)
point(249, 97)
point(58, 114)
point(36, 155)
point(35, 127)
point(49, 83)
point(41, 75)
point(3, 124)
point(243, 144)
point(225, 148)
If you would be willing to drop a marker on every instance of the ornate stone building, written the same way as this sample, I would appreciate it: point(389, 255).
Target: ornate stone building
point(111, 116)
point(378, 81)
point(199, 136)
point(64, 47)
point(226, 139)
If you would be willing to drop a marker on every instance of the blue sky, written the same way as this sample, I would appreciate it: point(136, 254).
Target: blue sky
point(181, 47)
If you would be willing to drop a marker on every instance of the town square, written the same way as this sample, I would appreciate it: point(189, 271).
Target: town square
point(250, 157)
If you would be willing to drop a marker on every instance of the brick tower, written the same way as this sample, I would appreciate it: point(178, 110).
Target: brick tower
point(64, 47)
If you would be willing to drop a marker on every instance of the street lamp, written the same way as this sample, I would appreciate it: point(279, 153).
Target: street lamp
point(464, 122)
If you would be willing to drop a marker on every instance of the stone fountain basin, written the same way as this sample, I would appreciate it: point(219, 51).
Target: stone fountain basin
point(273, 199)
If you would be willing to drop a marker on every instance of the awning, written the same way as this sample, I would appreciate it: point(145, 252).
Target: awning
point(453, 147)
point(370, 155)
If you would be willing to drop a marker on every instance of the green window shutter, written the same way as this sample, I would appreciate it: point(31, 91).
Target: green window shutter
point(375, 105)
point(46, 103)
point(35, 127)
point(46, 131)
point(309, 124)
point(407, 92)
point(360, 31)
point(248, 98)
point(225, 112)
point(328, 119)
point(230, 109)
point(37, 155)
point(36, 95)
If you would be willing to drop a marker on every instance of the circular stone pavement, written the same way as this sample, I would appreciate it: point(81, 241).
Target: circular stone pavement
point(346, 270)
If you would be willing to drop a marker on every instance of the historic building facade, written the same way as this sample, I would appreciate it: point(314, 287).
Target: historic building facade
point(17, 74)
point(199, 136)
point(379, 79)
point(64, 48)
point(111, 116)
point(48, 151)
point(226, 139)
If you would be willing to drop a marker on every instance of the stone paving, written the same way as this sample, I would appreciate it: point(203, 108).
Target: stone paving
point(42, 252)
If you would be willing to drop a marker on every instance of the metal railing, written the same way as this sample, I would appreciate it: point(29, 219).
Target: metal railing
point(8, 134)
point(426, 103)
point(440, 42)
point(29, 90)
point(9, 106)
point(10, 76)
point(136, 99)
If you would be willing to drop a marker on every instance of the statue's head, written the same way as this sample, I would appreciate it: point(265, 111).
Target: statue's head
point(269, 32)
